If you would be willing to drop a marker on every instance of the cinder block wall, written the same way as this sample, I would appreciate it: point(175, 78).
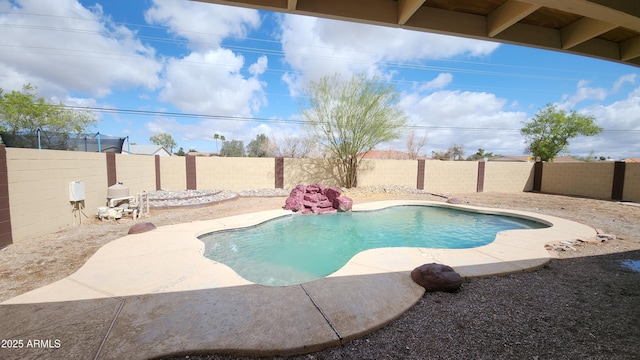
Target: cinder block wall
point(38, 180)
point(137, 172)
point(451, 176)
point(309, 171)
point(39, 188)
point(632, 182)
point(385, 172)
point(508, 177)
point(593, 180)
point(235, 173)
point(173, 173)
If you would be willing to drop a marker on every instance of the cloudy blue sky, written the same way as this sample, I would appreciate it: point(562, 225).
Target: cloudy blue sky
point(193, 70)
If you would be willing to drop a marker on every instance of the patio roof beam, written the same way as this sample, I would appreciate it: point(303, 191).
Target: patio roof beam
point(508, 14)
point(583, 30)
point(621, 13)
point(630, 49)
point(406, 9)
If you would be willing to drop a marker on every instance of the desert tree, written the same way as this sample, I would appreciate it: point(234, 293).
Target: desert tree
point(258, 147)
point(548, 133)
point(481, 154)
point(233, 148)
point(350, 117)
point(455, 152)
point(441, 155)
point(415, 144)
point(23, 112)
point(292, 147)
point(165, 140)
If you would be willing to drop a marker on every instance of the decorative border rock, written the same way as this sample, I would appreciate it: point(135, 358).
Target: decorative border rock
point(436, 277)
point(142, 227)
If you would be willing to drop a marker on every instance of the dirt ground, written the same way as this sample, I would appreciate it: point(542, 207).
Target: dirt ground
point(582, 305)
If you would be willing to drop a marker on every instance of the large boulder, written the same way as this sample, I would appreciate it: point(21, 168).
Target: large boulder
point(320, 210)
point(296, 193)
point(314, 197)
point(141, 227)
point(315, 189)
point(293, 203)
point(343, 204)
point(301, 188)
point(332, 193)
point(437, 277)
point(324, 204)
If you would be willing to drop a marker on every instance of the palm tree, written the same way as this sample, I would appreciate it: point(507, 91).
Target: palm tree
point(222, 139)
point(216, 137)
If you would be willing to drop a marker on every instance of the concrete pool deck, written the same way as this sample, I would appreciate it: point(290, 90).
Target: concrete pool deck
point(153, 294)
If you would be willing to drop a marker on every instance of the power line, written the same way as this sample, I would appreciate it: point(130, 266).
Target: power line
point(280, 53)
point(244, 38)
point(282, 121)
point(183, 115)
point(499, 70)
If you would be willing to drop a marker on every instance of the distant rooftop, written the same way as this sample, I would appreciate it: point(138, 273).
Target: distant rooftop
point(524, 158)
point(146, 150)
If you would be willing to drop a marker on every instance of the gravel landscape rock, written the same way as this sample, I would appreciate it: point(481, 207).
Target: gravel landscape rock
point(582, 305)
point(189, 198)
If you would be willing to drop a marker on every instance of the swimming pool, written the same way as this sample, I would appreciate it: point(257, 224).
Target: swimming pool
point(300, 248)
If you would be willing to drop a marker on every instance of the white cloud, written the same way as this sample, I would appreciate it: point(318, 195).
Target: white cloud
point(473, 119)
point(211, 83)
point(453, 105)
point(623, 114)
point(163, 125)
point(58, 52)
point(624, 79)
point(583, 93)
point(315, 47)
point(209, 80)
point(619, 115)
point(441, 81)
point(203, 25)
point(259, 67)
point(586, 93)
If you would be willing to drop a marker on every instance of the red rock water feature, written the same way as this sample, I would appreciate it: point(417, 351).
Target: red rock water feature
point(317, 198)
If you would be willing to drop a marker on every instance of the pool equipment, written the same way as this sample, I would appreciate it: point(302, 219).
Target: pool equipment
point(120, 203)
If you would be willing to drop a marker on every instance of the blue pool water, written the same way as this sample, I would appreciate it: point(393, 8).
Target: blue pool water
point(300, 248)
